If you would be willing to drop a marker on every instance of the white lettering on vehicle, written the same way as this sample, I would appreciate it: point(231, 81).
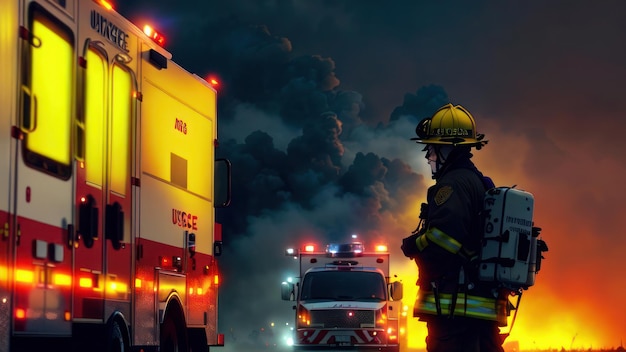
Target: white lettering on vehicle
point(109, 30)
point(184, 219)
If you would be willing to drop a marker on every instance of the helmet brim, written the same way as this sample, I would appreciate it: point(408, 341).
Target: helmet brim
point(451, 141)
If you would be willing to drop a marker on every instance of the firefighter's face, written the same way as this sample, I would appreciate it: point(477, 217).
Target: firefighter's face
point(431, 157)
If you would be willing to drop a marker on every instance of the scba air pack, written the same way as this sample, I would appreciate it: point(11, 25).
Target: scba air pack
point(511, 250)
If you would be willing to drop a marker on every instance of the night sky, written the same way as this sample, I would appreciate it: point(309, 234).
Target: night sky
point(319, 99)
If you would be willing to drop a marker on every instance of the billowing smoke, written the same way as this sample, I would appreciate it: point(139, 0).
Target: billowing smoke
point(306, 168)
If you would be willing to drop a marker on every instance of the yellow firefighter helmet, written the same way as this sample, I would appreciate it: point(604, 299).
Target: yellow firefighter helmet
point(451, 124)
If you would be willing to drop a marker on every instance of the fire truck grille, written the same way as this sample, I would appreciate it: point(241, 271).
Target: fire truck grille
point(342, 318)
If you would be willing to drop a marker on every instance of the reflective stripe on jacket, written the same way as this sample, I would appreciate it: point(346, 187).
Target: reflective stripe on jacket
point(443, 240)
point(439, 238)
point(466, 305)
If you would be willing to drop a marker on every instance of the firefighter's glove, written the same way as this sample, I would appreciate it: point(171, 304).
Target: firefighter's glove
point(424, 211)
point(409, 246)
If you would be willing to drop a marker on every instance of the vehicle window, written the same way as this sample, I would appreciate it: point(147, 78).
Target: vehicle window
point(47, 94)
point(120, 128)
point(343, 285)
point(94, 117)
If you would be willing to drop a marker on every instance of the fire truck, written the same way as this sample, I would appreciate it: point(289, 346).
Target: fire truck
point(108, 188)
point(345, 299)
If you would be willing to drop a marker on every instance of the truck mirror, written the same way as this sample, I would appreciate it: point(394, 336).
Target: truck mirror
point(395, 290)
point(287, 291)
point(222, 187)
point(217, 248)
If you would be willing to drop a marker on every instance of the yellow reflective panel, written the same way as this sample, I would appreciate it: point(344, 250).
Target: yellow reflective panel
point(95, 117)
point(120, 129)
point(51, 87)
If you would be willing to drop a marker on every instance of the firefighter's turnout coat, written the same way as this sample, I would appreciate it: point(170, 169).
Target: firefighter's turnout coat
point(447, 243)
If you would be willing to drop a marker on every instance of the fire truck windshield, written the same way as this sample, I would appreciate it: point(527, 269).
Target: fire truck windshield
point(343, 286)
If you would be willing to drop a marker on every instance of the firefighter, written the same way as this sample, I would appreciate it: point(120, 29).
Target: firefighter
point(461, 314)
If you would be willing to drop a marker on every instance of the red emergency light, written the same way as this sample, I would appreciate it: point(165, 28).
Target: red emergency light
point(154, 35)
point(213, 81)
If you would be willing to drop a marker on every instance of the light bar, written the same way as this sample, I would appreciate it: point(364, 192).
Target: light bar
point(309, 248)
point(381, 248)
point(154, 35)
point(345, 250)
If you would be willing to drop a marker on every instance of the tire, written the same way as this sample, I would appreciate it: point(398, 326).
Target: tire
point(197, 340)
point(115, 341)
point(173, 338)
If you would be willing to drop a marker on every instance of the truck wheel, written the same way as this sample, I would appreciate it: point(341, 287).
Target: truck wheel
point(115, 338)
point(197, 340)
point(172, 338)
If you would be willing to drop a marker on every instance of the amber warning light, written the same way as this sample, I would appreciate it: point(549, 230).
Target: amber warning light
point(107, 5)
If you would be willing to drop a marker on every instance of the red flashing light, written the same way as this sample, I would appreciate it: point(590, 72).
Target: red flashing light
point(309, 248)
point(154, 35)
